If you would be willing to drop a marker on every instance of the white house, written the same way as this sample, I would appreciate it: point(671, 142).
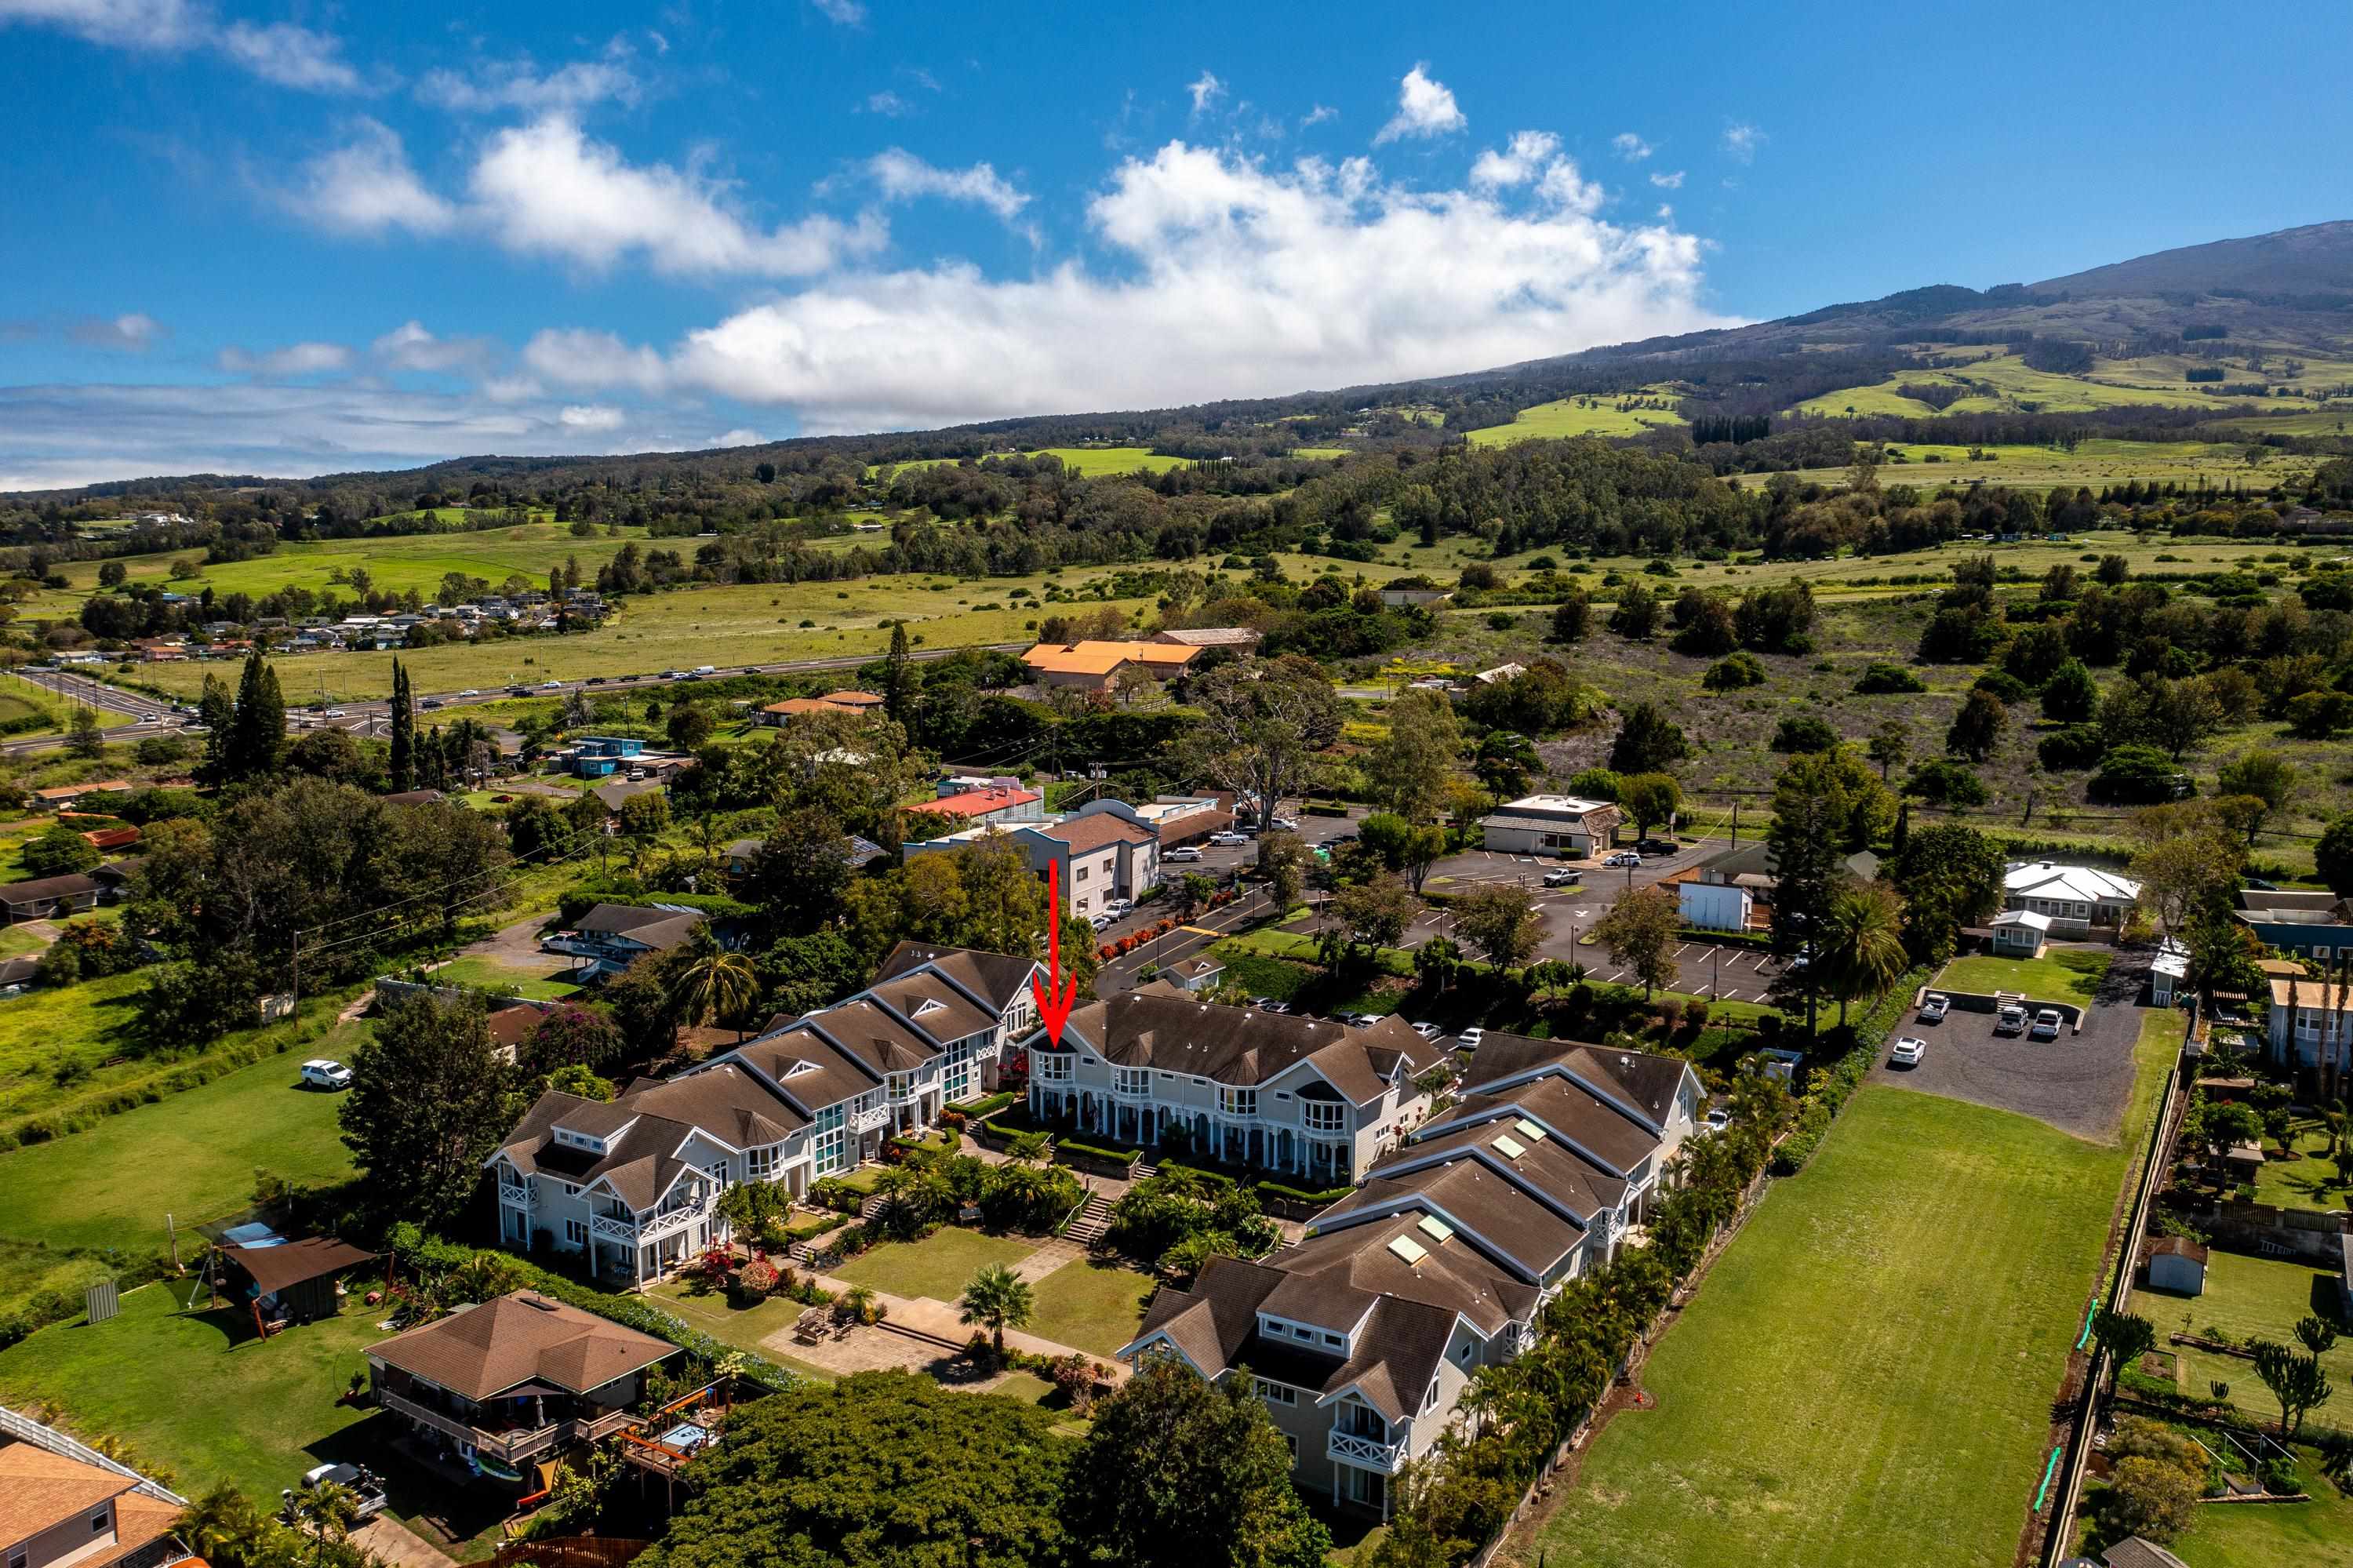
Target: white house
point(1106, 850)
point(2079, 900)
point(2312, 1024)
point(1360, 1338)
point(633, 1182)
point(2020, 933)
point(1551, 825)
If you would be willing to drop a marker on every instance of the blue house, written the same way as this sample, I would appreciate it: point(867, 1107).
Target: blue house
point(597, 756)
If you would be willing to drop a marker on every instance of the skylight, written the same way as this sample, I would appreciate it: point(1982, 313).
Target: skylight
point(1436, 1229)
point(1408, 1249)
point(1512, 1147)
point(1530, 1130)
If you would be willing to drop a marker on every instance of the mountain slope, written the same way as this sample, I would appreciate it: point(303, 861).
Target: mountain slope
point(2315, 259)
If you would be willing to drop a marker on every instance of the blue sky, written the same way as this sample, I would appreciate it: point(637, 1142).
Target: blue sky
point(301, 239)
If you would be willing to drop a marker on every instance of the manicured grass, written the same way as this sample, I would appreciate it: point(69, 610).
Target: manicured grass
point(16, 942)
point(1595, 416)
point(743, 1327)
point(1091, 1307)
point(939, 1266)
point(2253, 1298)
point(484, 975)
point(192, 1155)
point(2312, 1181)
point(2061, 974)
point(1870, 1364)
point(2317, 1534)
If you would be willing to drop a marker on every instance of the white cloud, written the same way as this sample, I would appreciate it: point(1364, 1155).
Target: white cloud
point(1673, 182)
point(294, 359)
point(1235, 280)
point(904, 177)
point(546, 189)
point(511, 389)
point(129, 24)
point(518, 84)
point(368, 186)
point(738, 437)
point(574, 357)
point(888, 102)
point(1742, 141)
point(1425, 108)
point(1631, 148)
point(1317, 115)
point(1205, 90)
point(842, 12)
point(411, 347)
point(592, 417)
point(130, 333)
point(1528, 153)
point(291, 57)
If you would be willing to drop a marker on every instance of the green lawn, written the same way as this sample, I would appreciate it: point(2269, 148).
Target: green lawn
point(483, 975)
point(194, 1393)
point(2061, 974)
point(939, 1266)
point(1870, 1364)
point(2316, 1534)
point(192, 1155)
point(2312, 1181)
point(743, 1327)
point(1091, 1307)
point(2249, 1298)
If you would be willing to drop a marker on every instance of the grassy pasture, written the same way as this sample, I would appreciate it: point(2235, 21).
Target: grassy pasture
point(2251, 1297)
point(1870, 1364)
point(1088, 460)
point(1595, 416)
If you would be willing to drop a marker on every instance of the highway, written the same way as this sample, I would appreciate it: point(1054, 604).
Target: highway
point(152, 716)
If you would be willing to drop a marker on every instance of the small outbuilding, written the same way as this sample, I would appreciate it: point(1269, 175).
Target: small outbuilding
point(289, 1281)
point(2177, 1266)
point(1196, 975)
point(2020, 933)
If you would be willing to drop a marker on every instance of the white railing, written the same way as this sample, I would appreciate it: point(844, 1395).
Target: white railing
point(1366, 1452)
point(522, 1197)
point(508, 1446)
point(613, 1227)
point(867, 1120)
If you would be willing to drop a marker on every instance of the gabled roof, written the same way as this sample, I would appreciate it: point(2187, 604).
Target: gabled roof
point(1092, 658)
point(1210, 637)
point(1176, 1033)
point(68, 886)
point(998, 979)
point(975, 802)
point(40, 1490)
point(522, 1337)
point(1092, 832)
point(659, 929)
point(2076, 883)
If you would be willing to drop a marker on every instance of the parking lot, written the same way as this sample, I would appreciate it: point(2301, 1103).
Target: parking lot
point(2078, 1083)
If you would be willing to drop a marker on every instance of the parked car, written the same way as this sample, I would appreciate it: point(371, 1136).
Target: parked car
point(1285, 825)
point(1623, 857)
point(366, 1490)
point(1270, 1005)
point(319, 1073)
point(2009, 1021)
point(1228, 838)
point(1119, 908)
point(1099, 922)
point(1427, 1030)
point(1469, 1039)
point(1568, 876)
point(1361, 1020)
point(1908, 1051)
point(1182, 853)
point(1719, 1117)
point(2046, 1024)
point(1933, 1011)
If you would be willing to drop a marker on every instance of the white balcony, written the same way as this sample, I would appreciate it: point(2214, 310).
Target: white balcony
point(613, 1227)
point(522, 1197)
point(867, 1120)
point(1366, 1453)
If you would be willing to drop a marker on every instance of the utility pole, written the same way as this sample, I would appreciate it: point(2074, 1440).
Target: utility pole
point(1736, 823)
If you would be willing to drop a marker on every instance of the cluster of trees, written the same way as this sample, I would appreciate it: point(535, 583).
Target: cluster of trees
point(892, 1470)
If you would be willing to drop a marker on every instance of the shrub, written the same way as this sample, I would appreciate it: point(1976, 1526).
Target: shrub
point(1945, 783)
point(2008, 688)
point(1805, 733)
point(1734, 672)
point(1880, 679)
point(2079, 746)
point(2138, 775)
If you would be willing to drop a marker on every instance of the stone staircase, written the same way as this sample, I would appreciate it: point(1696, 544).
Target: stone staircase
point(1093, 1219)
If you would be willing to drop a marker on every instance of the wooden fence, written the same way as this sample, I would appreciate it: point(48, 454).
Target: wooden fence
point(572, 1551)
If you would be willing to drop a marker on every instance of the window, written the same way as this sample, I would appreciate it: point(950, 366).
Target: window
point(100, 1522)
point(19, 1557)
point(575, 1232)
point(1275, 1393)
point(572, 1189)
point(1238, 1102)
point(1290, 1441)
point(1333, 1340)
point(1081, 876)
point(1324, 1116)
point(827, 1141)
point(902, 1084)
point(1131, 1080)
point(760, 1164)
point(1050, 1066)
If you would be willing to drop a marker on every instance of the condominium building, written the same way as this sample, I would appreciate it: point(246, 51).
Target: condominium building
point(1360, 1340)
point(633, 1184)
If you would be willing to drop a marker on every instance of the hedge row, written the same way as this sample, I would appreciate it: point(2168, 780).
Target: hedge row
point(1725, 938)
point(984, 1107)
point(1094, 1151)
point(1293, 1194)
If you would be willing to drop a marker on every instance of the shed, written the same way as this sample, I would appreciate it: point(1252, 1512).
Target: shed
point(2019, 933)
point(2177, 1266)
point(291, 1280)
point(1196, 974)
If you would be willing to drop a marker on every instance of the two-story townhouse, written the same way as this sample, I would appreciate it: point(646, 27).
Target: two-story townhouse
point(1360, 1338)
point(1158, 1066)
point(633, 1184)
point(1097, 855)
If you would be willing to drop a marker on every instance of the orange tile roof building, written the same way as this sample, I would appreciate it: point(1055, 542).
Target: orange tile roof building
point(1096, 666)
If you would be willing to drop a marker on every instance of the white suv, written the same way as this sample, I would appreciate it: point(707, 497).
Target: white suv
point(319, 1072)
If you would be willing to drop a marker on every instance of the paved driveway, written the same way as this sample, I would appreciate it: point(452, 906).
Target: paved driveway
point(2078, 1083)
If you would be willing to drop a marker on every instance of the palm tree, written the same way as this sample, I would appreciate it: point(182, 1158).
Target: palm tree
point(997, 1300)
point(861, 1302)
point(715, 983)
point(1859, 944)
point(221, 1525)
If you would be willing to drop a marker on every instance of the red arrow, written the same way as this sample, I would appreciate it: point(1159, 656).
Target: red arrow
point(1054, 1002)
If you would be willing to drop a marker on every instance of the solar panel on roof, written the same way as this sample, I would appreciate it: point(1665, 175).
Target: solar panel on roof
point(1433, 1227)
point(1409, 1249)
